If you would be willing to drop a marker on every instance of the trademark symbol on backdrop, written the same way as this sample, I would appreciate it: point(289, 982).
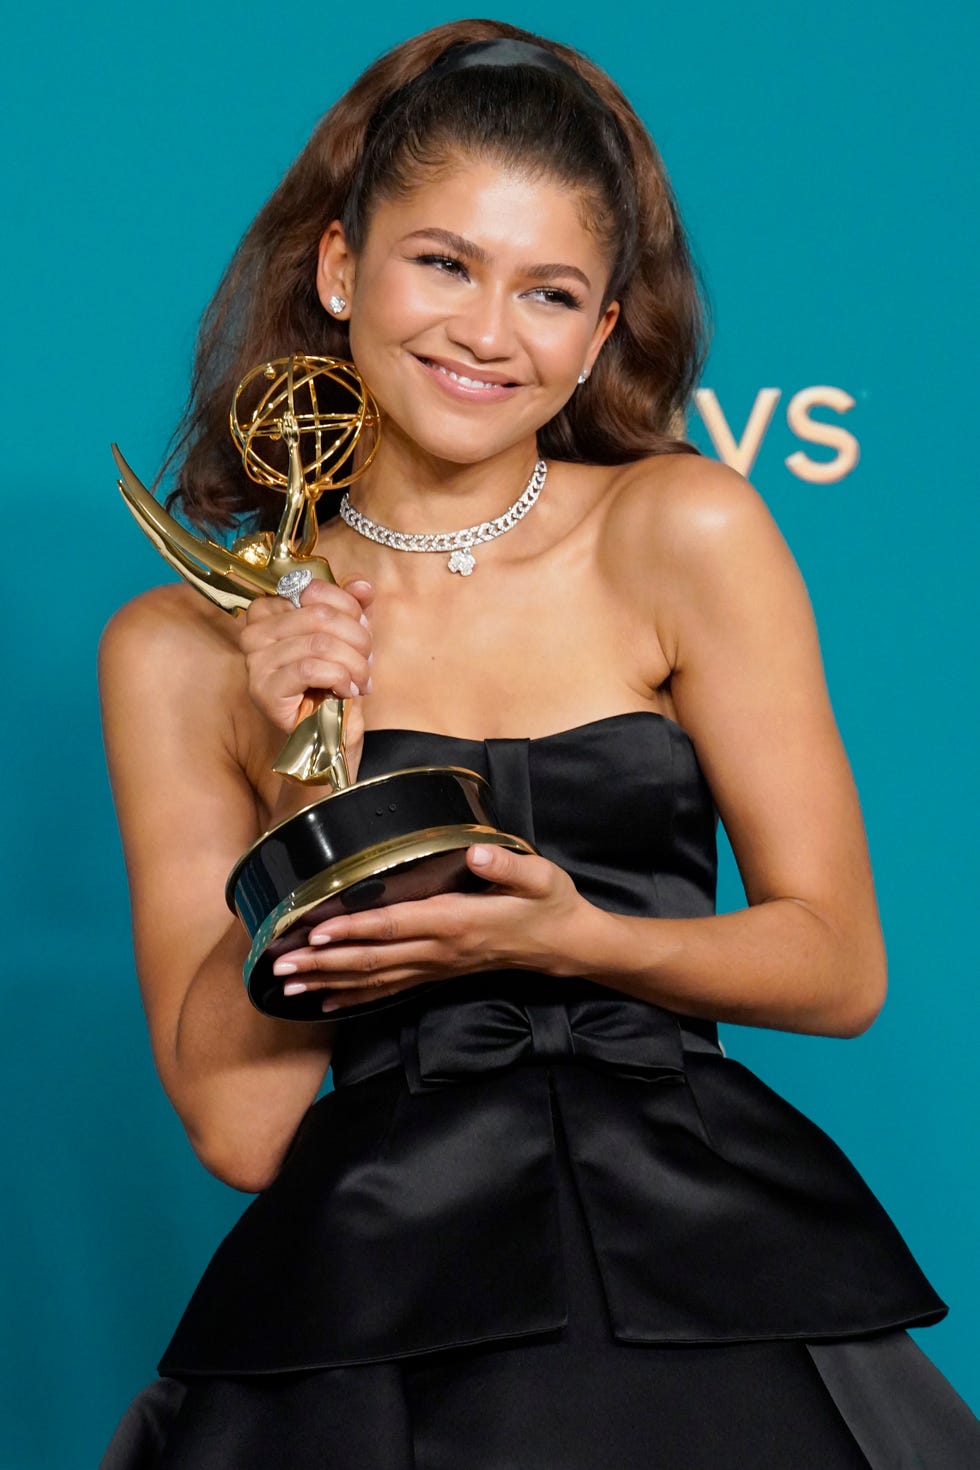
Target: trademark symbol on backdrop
point(740, 454)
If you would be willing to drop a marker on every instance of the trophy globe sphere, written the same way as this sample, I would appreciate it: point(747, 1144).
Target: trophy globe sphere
point(321, 401)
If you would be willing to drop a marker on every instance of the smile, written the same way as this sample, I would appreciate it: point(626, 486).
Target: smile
point(460, 383)
point(459, 378)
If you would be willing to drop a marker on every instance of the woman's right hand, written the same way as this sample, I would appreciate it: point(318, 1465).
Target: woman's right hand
point(296, 656)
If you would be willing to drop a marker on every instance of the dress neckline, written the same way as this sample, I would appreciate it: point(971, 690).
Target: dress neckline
point(641, 714)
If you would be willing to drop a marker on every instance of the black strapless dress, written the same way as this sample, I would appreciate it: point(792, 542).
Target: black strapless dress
point(540, 1225)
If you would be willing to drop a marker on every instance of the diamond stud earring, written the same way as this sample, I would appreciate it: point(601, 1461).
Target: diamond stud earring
point(582, 377)
point(336, 304)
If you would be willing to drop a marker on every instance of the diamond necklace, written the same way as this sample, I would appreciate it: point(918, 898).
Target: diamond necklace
point(460, 543)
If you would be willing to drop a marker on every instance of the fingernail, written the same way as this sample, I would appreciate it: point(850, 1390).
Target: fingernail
point(353, 688)
point(330, 1005)
point(295, 987)
point(480, 856)
point(361, 582)
point(284, 967)
point(369, 685)
point(320, 938)
point(371, 658)
point(363, 621)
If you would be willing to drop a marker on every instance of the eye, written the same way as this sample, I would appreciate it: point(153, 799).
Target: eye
point(447, 263)
point(555, 296)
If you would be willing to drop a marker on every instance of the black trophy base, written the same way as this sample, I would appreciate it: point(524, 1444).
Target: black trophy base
point(392, 839)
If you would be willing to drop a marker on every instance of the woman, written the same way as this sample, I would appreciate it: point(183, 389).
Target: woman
point(541, 1220)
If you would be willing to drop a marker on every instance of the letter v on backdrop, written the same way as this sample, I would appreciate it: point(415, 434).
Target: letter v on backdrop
point(741, 453)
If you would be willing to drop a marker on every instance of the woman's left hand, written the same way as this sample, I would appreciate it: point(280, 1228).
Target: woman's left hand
point(533, 918)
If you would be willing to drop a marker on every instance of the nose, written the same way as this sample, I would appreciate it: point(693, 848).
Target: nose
point(484, 325)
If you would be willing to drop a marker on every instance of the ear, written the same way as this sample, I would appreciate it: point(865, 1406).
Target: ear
point(603, 327)
point(335, 270)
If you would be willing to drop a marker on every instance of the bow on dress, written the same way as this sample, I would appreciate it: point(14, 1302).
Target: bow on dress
point(472, 1036)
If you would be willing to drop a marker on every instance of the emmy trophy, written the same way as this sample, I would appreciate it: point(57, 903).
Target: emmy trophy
point(364, 844)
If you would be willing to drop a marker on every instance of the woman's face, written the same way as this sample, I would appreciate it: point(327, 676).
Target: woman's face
point(474, 304)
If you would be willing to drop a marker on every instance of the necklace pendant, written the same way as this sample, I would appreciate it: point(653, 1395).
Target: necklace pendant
point(462, 561)
point(459, 543)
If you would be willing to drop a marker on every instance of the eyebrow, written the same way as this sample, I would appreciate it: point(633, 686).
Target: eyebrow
point(471, 251)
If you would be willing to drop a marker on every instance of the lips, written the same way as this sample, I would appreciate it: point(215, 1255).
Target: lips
point(467, 383)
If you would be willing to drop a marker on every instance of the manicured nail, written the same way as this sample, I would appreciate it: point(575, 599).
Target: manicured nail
point(369, 685)
point(363, 621)
point(361, 582)
point(295, 987)
point(480, 856)
point(371, 658)
point(353, 688)
point(330, 1005)
point(320, 938)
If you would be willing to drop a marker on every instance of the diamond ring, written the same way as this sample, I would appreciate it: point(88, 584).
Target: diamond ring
point(291, 584)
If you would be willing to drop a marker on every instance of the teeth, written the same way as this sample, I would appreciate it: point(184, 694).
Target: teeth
point(459, 378)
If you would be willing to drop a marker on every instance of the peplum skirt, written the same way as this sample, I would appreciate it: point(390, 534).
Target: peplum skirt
point(585, 1378)
point(571, 1399)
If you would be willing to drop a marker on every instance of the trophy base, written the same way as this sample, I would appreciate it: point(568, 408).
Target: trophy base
point(285, 885)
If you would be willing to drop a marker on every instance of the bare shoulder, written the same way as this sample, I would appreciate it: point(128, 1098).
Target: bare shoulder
point(167, 634)
point(684, 532)
point(171, 679)
point(683, 501)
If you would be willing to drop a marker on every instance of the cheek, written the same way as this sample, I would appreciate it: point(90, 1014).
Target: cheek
point(560, 344)
point(392, 304)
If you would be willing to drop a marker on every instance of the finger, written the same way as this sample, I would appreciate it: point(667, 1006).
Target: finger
point(320, 618)
point(520, 873)
point(368, 966)
point(360, 588)
point(308, 678)
point(345, 598)
point(440, 916)
point(319, 597)
point(358, 991)
point(262, 608)
point(336, 622)
point(301, 654)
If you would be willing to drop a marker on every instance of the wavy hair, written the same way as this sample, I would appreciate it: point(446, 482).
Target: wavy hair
point(401, 117)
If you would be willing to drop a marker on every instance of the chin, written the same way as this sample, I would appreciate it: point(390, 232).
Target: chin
point(462, 451)
point(463, 441)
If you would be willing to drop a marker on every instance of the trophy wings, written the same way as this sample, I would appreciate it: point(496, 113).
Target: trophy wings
point(227, 580)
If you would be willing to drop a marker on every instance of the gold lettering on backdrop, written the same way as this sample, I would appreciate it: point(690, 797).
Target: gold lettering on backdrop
point(738, 455)
point(821, 472)
point(741, 454)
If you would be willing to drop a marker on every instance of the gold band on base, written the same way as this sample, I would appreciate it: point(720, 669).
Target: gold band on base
point(374, 861)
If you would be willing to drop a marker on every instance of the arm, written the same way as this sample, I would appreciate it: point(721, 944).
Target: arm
point(176, 715)
point(747, 683)
point(699, 559)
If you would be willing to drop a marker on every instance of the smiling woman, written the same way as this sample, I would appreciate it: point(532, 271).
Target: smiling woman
point(541, 1219)
point(477, 321)
point(431, 111)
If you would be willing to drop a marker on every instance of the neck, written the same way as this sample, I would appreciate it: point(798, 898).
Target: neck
point(409, 490)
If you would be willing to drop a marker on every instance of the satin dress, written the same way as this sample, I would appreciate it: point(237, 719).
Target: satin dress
point(541, 1225)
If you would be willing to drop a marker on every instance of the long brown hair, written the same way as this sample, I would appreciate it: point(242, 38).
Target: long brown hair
point(396, 119)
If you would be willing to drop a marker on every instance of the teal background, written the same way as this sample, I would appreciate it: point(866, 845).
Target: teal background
point(824, 161)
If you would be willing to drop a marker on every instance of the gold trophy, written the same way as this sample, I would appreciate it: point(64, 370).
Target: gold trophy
point(364, 844)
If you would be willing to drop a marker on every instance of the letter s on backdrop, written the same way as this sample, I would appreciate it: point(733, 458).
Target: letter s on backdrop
point(813, 431)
